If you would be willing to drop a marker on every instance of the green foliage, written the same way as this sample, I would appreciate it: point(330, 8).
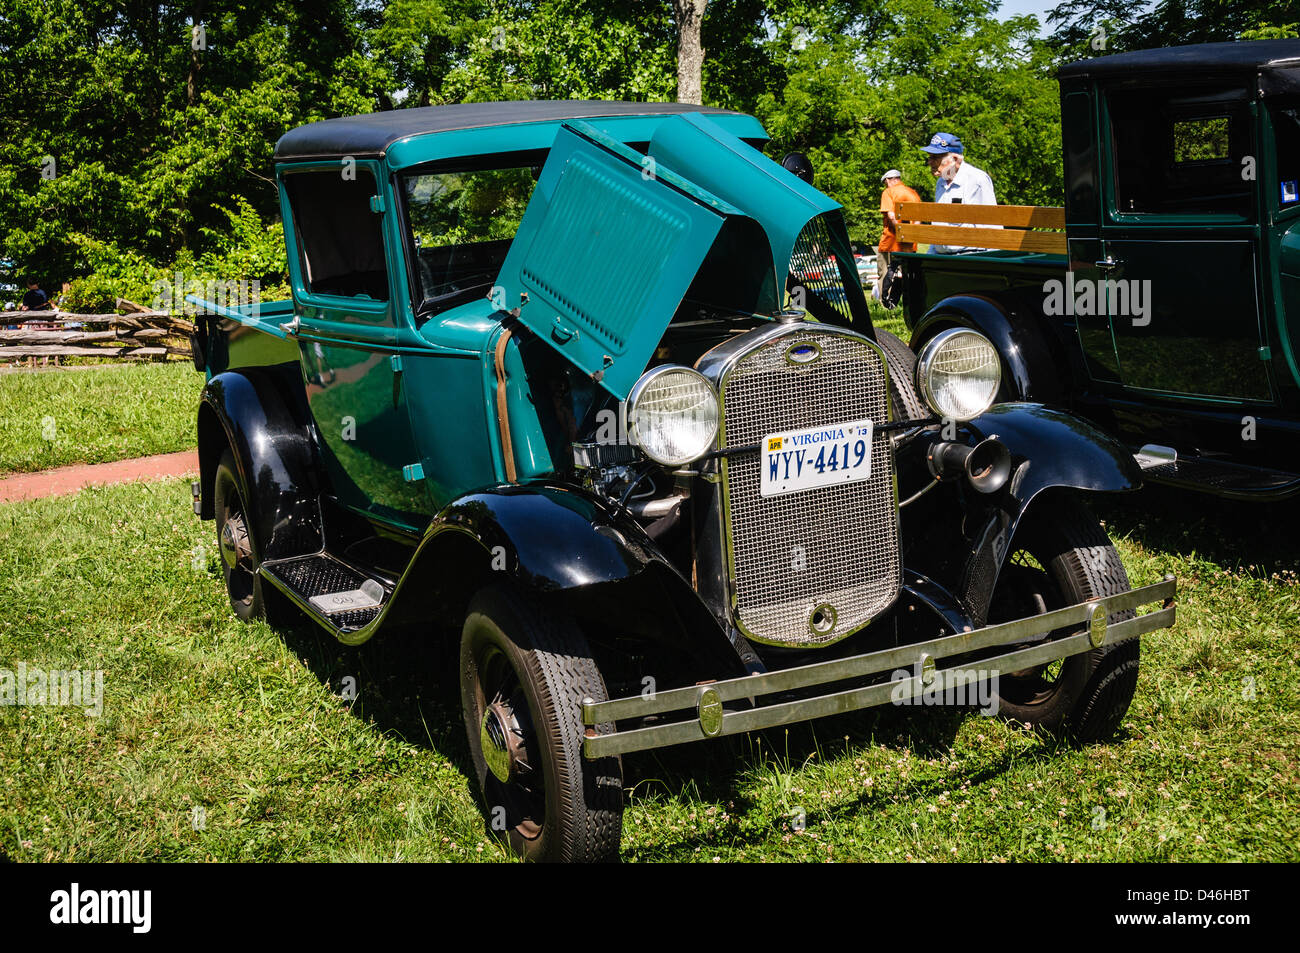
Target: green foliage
point(1095, 27)
point(867, 84)
point(130, 147)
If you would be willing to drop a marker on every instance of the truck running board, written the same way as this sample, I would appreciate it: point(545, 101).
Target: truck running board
point(707, 716)
point(336, 594)
point(1219, 477)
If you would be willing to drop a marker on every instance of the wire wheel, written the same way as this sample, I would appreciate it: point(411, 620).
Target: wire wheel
point(1060, 558)
point(513, 785)
point(525, 671)
point(240, 550)
point(235, 541)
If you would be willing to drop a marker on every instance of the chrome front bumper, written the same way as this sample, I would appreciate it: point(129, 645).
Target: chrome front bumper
point(712, 720)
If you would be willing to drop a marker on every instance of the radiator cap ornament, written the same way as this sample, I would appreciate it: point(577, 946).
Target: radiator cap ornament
point(803, 352)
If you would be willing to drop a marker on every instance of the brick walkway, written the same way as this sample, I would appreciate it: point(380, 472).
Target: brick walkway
point(64, 480)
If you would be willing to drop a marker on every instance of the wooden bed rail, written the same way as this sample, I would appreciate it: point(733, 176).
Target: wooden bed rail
point(916, 224)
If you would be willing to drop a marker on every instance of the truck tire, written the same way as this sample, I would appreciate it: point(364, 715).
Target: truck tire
point(251, 597)
point(902, 377)
point(1062, 558)
point(524, 672)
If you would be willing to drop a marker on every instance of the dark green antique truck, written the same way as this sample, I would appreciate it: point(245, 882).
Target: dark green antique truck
point(1173, 320)
point(538, 382)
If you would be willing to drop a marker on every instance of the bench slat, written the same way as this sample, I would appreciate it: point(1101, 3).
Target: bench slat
point(1016, 216)
point(1008, 239)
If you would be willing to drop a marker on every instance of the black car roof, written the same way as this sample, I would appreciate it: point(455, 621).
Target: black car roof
point(1263, 56)
point(373, 133)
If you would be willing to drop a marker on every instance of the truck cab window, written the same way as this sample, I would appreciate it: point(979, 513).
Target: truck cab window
point(460, 225)
point(338, 234)
point(1286, 132)
point(1180, 152)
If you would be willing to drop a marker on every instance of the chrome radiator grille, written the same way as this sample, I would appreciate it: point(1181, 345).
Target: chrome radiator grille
point(794, 554)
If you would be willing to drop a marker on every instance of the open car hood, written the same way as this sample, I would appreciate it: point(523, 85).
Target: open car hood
point(612, 240)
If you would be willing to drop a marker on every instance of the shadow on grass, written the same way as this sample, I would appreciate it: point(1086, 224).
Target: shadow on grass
point(720, 773)
point(405, 683)
point(1232, 534)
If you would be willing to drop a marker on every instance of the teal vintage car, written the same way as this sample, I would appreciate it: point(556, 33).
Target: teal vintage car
point(541, 378)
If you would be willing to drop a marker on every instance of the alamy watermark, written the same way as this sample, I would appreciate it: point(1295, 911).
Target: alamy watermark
point(131, 908)
point(1101, 296)
point(70, 688)
point(171, 294)
point(960, 687)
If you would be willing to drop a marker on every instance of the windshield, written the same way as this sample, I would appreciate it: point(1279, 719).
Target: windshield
point(460, 226)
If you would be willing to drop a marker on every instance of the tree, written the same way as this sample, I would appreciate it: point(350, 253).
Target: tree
point(160, 150)
point(866, 84)
point(689, 16)
point(1092, 27)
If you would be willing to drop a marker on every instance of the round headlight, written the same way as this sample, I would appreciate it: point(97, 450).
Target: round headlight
point(958, 372)
point(672, 415)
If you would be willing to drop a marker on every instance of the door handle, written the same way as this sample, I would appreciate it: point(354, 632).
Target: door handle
point(1107, 263)
point(291, 328)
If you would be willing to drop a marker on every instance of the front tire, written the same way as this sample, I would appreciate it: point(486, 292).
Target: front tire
point(902, 377)
point(524, 672)
point(1061, 558)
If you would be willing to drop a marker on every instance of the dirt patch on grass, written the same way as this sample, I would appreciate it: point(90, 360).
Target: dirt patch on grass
point(64, 480)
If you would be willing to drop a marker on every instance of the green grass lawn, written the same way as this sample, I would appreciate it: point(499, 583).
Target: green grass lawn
point(888, 320)
point(251, 725)
point(58, 417)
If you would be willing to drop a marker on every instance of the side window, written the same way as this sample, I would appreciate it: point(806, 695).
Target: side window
point(460, 225)
point(1286, 130)
point(1182, 152)
point(340, 238)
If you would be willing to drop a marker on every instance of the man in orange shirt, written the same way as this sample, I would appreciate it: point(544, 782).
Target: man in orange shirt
point(894, 194)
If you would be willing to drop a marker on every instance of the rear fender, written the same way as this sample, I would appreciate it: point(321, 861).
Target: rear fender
point(254, 415)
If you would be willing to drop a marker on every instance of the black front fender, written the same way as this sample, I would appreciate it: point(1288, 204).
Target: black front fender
point(1049, 450)
point(563, 543)
point(1053, 449)
point(1030, 371)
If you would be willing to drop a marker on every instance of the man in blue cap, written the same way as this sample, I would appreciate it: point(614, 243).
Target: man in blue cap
point(956, 180)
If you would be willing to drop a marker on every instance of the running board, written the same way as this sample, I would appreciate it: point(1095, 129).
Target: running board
point(336, 594)
point(1220, 477)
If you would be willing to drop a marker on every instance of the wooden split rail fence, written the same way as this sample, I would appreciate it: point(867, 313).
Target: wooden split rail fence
point(940, 223)
point(139, 335)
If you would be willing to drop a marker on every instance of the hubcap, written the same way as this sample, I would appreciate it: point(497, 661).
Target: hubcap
point(502, 742)
point(236, 550)
point(231, 541)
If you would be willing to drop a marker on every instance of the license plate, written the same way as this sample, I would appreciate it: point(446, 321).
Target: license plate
point(800, 460)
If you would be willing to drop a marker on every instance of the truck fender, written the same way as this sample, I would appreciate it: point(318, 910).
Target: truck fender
point(277, 460)
point(1029, 369)
point(570, 546)
point(1049, 450)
